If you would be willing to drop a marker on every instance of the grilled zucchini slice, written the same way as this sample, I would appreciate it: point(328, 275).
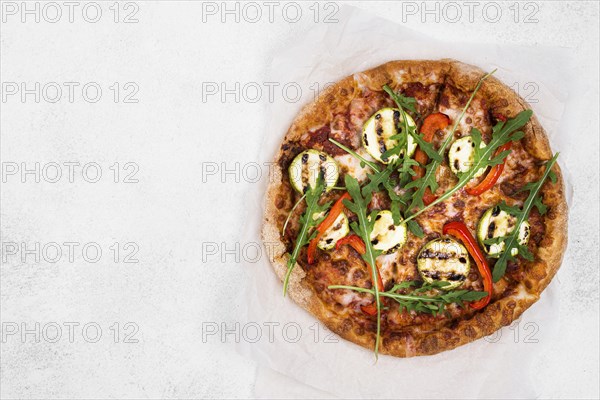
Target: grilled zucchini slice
point(378, 130)
point(306, 167)
point(444, 260)
point(461, 155)
point(496, 223)
point(386, 236)
point(338, 230)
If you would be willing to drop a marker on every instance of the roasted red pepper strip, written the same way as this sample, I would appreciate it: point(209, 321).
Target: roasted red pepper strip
point(431, 124)
point(369, 309)
point(357, 244)
point(335, 212)
point(354, 241)
point(492, 176)
point(459, 230)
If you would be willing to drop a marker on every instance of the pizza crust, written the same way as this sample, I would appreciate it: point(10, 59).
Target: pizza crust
point(497, 314)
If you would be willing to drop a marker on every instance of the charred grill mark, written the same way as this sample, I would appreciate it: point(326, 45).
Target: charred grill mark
point(439, 255)
point(491, 229)
point(453, 276)
point(396, 120)
point(527, 231)
point(378, 126)
point(449, 276)
point(432, 274)
point(382, 147)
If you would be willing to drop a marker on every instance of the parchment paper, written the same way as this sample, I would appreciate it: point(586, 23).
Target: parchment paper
point(292, 342)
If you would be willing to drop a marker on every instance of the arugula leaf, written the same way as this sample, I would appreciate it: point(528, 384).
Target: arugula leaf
point(363, 228)
point(427, 148)
point(287, 220)
point(307, 221)
point(418, 300)
point(502, 133)
point(402, 101)
point(513, 210)
point(512, 240)
point(377, 179)
point(363, 161)
point(415, 228)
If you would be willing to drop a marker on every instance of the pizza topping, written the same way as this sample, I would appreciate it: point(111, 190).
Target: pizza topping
point(444, 260)
point(496, 224)
point(492, 177)
point(432, 124)
point(325, 225)
point(349, 164)
point(512, 239)
point(308, 166)
point(459, 230)
point(419, 297)
point(380, 134)
point(387, 236)
point(307, 222)
point(338, 230)
point(462, 154)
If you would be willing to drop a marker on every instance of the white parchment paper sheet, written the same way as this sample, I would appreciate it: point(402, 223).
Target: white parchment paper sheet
point(301, 348)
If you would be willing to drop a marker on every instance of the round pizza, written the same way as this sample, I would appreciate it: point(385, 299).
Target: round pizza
point(416, 207)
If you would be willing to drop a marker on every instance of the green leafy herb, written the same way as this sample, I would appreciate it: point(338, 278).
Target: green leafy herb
point(287, 220)
point(502, 133)
point(376, 179)
point(307, 221)
point(428, 298)
point(415, 228)
point(403, 102)
point(363, 161)
point(511, 241)
point(363, 228)
point(427, 148)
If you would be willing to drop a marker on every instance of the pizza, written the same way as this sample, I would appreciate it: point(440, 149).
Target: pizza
point(416, 207)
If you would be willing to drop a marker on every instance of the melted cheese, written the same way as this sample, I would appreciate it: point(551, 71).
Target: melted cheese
point(351, 165)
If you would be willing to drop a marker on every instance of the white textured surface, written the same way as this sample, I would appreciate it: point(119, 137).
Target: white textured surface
point(170, 212)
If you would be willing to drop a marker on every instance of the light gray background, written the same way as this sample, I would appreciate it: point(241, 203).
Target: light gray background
point(171, 134)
